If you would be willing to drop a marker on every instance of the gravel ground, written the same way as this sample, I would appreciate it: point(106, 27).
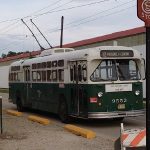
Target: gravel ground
point(21, 134)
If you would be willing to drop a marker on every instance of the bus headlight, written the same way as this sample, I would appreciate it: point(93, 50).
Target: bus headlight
point(137, 92)
point(100, 94)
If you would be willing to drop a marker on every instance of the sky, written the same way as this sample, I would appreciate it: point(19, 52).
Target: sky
point(83, 19)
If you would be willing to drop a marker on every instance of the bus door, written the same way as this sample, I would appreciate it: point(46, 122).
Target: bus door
point(78, 78)
point(27, 84)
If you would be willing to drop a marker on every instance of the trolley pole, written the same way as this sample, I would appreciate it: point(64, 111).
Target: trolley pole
point(1, 115)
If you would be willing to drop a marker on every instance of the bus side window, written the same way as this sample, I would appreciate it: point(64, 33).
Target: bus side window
point(38, 75)
point(54, 75)
point(34, 66)
point(79, 73)
point(49, 64)
point(49, 75)
point(11, 77)
point(74, 71)
point(43, 75)
point(33, 75)
point(84, 72)
point(60, 63)
point(14, 76)
point(16, 79)
point(19, 76)
point(39, 65)
point(61, 74)
point(27, 75)
point(43, 64)
point(54, 63)
point(71, 73)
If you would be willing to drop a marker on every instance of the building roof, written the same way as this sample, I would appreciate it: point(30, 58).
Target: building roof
point(107, 37)
point(112, 36)
point(20, 56)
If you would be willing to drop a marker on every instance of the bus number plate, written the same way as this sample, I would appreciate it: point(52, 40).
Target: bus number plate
point(121, 106)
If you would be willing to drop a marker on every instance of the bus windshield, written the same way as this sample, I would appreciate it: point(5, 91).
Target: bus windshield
point(112, 70)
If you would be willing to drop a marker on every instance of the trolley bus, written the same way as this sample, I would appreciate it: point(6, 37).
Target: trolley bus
point(103, 82)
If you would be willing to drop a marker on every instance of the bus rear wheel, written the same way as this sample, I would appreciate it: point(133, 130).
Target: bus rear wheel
point(19, 105)
point(63, 113)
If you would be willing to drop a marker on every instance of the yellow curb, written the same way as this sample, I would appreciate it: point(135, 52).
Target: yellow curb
point(80, 131)
point(39, 120)
point(14, 113)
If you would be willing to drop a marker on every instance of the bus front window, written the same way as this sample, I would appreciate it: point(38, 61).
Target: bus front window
point(112, 70)
point(106, 71)
point(127, 70)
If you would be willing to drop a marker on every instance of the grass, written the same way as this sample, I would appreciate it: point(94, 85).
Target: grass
point(4, 90)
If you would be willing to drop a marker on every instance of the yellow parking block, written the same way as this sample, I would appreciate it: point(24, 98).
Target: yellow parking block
point(80, 131)
point(14, 113)
point(39, 120)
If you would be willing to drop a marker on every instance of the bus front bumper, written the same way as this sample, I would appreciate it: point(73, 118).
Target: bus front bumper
point(116, 114)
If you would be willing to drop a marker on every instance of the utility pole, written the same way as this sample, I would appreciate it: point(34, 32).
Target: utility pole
point(61, 36)
point(143, 12)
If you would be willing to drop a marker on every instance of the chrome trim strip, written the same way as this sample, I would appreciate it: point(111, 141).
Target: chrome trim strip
point(116, 114)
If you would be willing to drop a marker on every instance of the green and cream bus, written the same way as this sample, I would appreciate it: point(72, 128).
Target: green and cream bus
point(103, 82)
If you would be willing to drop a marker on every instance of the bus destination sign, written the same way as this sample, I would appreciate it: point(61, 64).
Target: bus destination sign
point(116, 53)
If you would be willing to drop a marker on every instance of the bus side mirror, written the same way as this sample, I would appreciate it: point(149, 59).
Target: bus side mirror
point(143, 70)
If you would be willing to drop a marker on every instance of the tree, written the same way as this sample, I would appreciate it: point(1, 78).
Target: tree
point(11, 53)
point(4, 55)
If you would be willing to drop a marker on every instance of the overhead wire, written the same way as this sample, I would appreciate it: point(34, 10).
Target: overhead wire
point(30, 15)
point(73, 7)
point(18, 19)
point(96, 14)
point(81, 21)
point(46, 7)
point(58, 29)
point(103, 16)
point(93, 15)
point(53, 10)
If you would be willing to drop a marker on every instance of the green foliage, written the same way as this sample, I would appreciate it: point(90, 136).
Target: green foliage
point(11, 53)
point(4, 55)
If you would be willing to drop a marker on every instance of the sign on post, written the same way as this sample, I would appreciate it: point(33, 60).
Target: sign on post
point(143, 11)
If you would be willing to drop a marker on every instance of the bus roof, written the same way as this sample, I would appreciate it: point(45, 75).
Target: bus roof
point(86, 54)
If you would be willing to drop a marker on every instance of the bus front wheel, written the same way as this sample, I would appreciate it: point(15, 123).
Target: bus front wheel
point(63, 113)
point(118, 119)
point(19, 105)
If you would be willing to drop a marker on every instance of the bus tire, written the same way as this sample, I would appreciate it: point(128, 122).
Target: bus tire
point(19, 104)
point(63, 112)
point(118, 119)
